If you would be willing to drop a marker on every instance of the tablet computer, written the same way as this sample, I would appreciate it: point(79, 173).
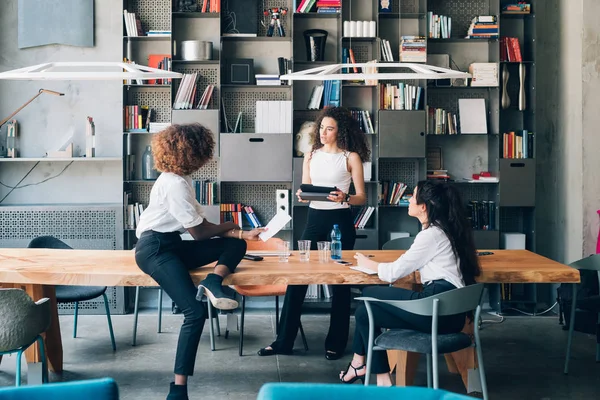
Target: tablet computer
point(315, 193)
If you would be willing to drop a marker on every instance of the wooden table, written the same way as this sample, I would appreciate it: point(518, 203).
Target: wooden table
point(37, 270)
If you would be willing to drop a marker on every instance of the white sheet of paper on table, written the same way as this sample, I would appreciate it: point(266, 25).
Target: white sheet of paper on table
point(275, 225)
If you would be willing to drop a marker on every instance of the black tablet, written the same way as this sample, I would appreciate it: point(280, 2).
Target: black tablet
point(315, 193)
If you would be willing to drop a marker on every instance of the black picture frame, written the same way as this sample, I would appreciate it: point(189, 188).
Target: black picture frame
point(239, 71)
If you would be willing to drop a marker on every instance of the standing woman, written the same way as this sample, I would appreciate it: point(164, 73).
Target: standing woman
point(178, 151)
point(445, 256)
point(336, 159)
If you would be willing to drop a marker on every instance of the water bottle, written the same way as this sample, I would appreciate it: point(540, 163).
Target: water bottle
point(148, 171)
point(336, 243)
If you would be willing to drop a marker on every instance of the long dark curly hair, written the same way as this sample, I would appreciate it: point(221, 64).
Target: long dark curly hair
point(182, 149)
point(349, 136)
point(446, 210)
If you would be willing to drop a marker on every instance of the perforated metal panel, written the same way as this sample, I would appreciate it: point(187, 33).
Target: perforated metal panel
point(244, 100)
point(154, 14)
point(405, 6)
point(157, 100)
point(208, 75)
point(79, 226)
point(405, 171)
point(462, 12)
point(209, 171)
point(363, 52)
point(478, 192)
point(262, 197)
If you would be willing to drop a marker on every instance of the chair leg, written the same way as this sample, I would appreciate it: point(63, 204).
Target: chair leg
point(242, 325)
point(210, 325)
point(217, 323)
point(44, 361)
point(160, 297)
point(481, 371)
point(434, 371)
point(135, 315)
point(75, 315)
point(571, 326)
point(110, 327)
point(18, 371)
point(276, 315)
point(303, 337)
point(429, 370)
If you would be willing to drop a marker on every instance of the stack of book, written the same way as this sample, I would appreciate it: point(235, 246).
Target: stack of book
point(483, 27)
point(212, 6)
point(329, 6)
point(133, 25)
point(362, 216)
point(413, 49)
point(391, 193)
point(363, 117)
point(517, 144)
point(186, 93)
point(327, 94)
point(518, 8)
point(400, 96)
point(206, 192)
point(510, 50)
point(267, 79)
point(233, 213)
point(484, 74)
point(482, 214)
point(441, 122)
point(386, 51)
point(438, 174)
point(440, 26)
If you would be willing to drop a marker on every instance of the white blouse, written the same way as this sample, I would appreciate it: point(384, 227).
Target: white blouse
point(173, 206)
point(430, 254)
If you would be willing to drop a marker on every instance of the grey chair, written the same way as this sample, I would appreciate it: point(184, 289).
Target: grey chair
point(591, 263)
point(23, 320)
point(74, 294)
point(398, 243)
point(448, 303)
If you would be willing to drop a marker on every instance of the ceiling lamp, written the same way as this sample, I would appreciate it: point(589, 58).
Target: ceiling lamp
point(60, 71)
point(333, 72)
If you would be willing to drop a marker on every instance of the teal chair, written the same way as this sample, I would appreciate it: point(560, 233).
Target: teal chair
point(403, 243)
point(336, 391)
point(93, 389)
point(22, 321)
point(74, 294)
point(433, 344)
point(592, 303)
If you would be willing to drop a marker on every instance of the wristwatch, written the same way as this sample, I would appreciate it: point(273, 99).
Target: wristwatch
point(347, 198)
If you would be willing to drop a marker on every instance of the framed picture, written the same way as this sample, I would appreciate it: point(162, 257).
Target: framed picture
point(239, 71)
point(385, 6)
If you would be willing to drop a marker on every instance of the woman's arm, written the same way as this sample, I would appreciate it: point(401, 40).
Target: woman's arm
point(206, 230)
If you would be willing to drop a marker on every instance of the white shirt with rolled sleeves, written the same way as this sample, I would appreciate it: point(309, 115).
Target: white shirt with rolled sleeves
point(431, 254)
point(173, 206)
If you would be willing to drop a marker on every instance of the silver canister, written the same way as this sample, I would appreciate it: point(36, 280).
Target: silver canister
point(196, 50)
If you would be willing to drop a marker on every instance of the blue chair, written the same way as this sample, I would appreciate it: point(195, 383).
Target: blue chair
point(328, 391)
point(22, 322)
point(590, 304)
point(93, 389)
point(452, 302)
point(74, 294)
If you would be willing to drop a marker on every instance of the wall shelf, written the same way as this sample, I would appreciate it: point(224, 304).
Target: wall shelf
point(60, 159)
point(195, 15)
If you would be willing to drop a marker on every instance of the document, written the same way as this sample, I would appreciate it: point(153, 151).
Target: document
point(364, 270)
point(275, 225)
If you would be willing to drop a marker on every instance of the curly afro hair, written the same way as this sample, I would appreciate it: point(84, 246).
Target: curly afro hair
point(349, 136)
point(182, 149)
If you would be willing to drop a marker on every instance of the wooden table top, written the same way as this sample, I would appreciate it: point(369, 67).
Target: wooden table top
point(118, 268)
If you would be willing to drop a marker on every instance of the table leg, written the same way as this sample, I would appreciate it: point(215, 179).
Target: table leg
point(460, 362)
point(406, 364)
point(52, 338)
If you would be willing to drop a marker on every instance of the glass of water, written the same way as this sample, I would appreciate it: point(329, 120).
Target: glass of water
point(283, 249)
point(324, 249)
point(304, 249)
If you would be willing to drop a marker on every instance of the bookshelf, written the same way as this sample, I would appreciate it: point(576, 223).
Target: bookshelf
point(401, 142)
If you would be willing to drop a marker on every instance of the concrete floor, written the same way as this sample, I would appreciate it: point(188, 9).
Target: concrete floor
point(523, 359)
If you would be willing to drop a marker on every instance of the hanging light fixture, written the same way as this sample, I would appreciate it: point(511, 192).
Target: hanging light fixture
point(61, 71)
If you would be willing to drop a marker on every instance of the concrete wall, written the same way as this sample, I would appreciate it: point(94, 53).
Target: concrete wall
point(46, 122)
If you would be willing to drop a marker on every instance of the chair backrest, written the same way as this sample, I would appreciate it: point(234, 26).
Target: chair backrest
point(398, 243)
point(47, 242)
point(270, 244)
point(297, 391)
point(591, 263)
point(93, 389)
point(22, 318)
point(452, 302)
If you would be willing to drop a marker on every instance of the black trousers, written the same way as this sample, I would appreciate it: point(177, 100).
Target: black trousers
point(318, 228)
point(389, 317)
point(168, 260)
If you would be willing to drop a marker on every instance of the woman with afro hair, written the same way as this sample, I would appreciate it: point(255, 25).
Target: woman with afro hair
point(337, 156)
point(160, 252)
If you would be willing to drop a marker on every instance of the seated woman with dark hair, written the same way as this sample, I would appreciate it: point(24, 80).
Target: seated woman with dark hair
point(445, 256)
point(160, 252)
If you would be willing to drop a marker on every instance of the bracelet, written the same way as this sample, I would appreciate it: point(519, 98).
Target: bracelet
point(240, 235)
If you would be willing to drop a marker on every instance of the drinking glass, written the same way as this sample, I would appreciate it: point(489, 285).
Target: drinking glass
point(283, 249)
point(324, 249)
point(304, 249)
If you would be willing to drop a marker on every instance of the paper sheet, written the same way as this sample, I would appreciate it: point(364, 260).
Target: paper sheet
point(275, 225)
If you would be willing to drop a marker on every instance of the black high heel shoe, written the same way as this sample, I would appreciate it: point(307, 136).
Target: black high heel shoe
point(356, 376)
point(333, 355)
point(264, 352)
